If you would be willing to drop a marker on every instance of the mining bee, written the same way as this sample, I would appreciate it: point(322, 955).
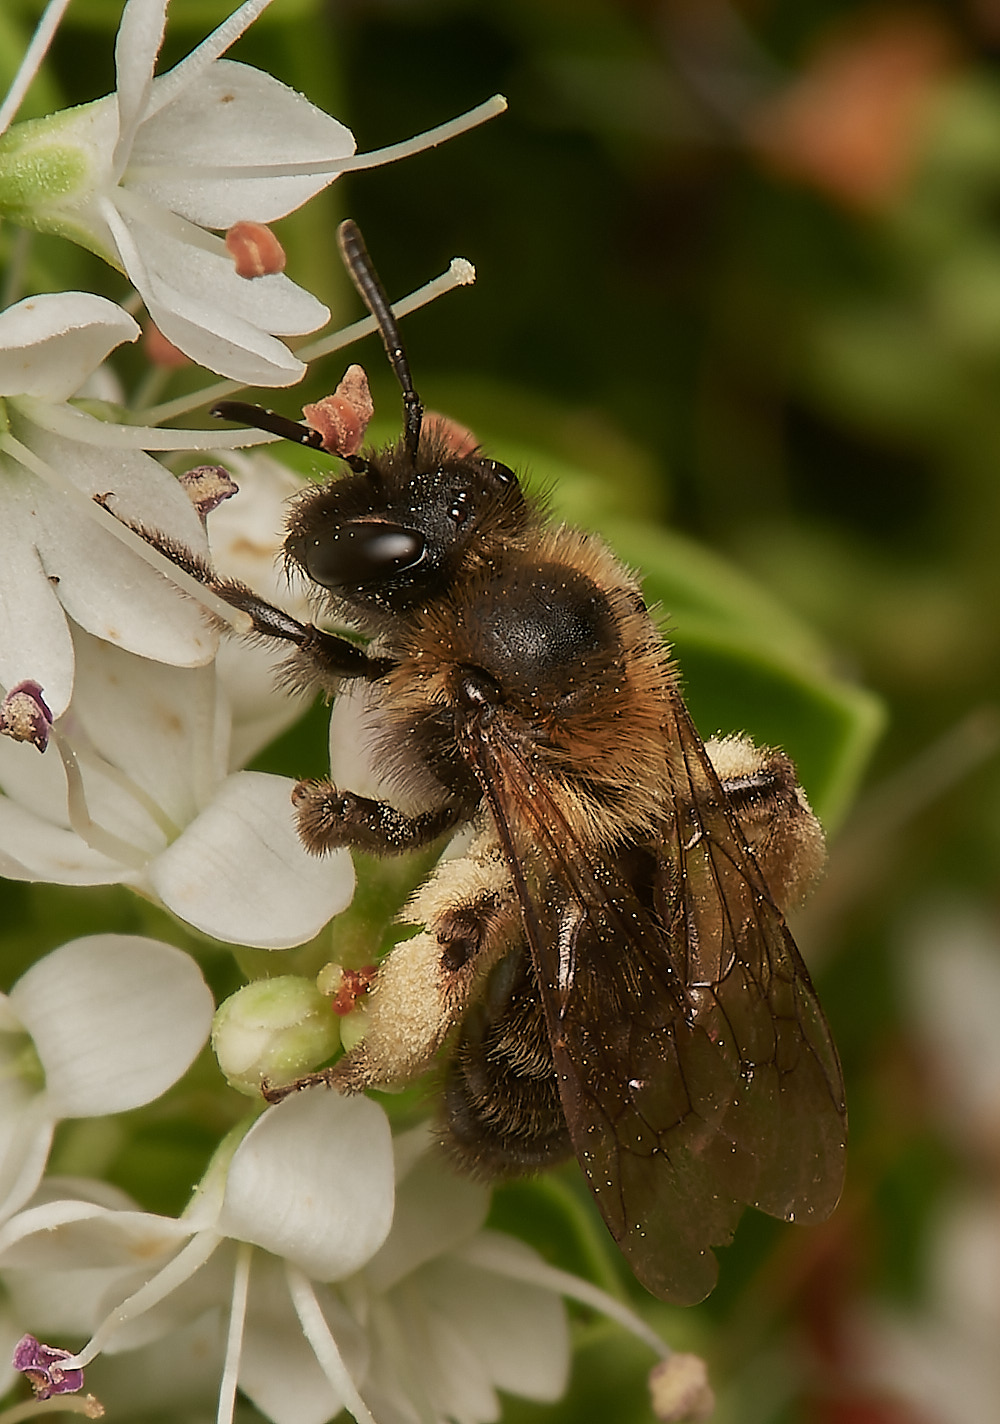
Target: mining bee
point(606, 968)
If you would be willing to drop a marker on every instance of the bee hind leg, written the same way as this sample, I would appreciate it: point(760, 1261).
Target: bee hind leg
point(425, 984)
point(761, 789)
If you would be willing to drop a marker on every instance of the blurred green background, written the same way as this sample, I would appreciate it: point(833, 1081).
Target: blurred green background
point(738, 306)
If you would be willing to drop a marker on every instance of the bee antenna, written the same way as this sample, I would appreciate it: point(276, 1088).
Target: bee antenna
point(362, 272)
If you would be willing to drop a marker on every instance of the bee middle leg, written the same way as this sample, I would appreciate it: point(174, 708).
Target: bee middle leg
point(329, 818)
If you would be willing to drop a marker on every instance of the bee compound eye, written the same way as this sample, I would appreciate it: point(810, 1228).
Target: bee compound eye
point(363, 551)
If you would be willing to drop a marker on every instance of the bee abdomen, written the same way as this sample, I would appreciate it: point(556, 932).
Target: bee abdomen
point(501, 1111)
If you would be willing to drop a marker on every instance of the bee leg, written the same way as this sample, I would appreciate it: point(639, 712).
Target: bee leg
point(424, 984)
point(318, 656)
point(328, 818)
point(783, 834)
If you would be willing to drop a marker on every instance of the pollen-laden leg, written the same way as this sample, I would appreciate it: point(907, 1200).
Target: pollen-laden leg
point(425, 984)
point(784, 835)
point(501, 1114)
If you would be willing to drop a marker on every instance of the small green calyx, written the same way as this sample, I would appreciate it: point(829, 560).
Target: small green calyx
point(50, 170)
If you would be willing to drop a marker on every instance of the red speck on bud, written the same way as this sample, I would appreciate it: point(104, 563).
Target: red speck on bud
point(353, 983)
point(206, 486)
point(457, 438)
point(342, 418)
point(255, 250)
point(24, 716)
point(161, 352)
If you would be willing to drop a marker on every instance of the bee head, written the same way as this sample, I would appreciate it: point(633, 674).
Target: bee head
point(392, 533)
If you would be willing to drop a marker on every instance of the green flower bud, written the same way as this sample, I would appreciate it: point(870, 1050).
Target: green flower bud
point(274, 1031)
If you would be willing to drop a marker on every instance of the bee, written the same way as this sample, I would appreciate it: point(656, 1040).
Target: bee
point(607, 967)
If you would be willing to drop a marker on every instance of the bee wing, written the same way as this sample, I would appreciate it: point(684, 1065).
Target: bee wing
point(696, 1071)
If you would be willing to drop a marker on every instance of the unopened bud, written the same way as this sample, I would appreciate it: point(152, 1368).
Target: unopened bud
point(273, 1031)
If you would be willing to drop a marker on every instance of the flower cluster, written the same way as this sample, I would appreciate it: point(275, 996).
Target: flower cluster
point(322, 1263)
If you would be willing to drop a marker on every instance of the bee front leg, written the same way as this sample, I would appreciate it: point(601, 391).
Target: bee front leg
point(784, 836)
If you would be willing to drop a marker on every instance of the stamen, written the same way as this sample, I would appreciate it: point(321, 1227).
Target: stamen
point(234, 1335)
point(32, 61)
point(78, 425)
point(212, 47)
point(239, 621)
point(178, 1269)
point(136, 205)
point(103, 841)
point(490, 1256)
point(460, 273)
point(324, 1346)
point(431, 138)
point(84, 1404)
point(83, 749)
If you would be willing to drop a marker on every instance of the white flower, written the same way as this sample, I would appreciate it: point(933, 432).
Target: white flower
point(330, 1309)
point(99, 1026)
point(120, 175)
point(138, 789)
point(53, 460)
point(141, 175)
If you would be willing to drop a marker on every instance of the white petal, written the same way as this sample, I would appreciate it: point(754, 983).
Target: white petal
point(34, 639)
point(422, 1355)
point(356, 763)
point(435, 1211)
point(240, 873)
point(79, 1235)
point(518, 1331)
point(312, 1181)
point(278, 1370)
point(238, 117)
point(155, 723)
point(24, 1149)
point(261, 708)
point(104, 586)
point(177, 1373)
point(197, 301)
point(140, 34)
point(116, 1019)
point(49, 344)
point(32, 848)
